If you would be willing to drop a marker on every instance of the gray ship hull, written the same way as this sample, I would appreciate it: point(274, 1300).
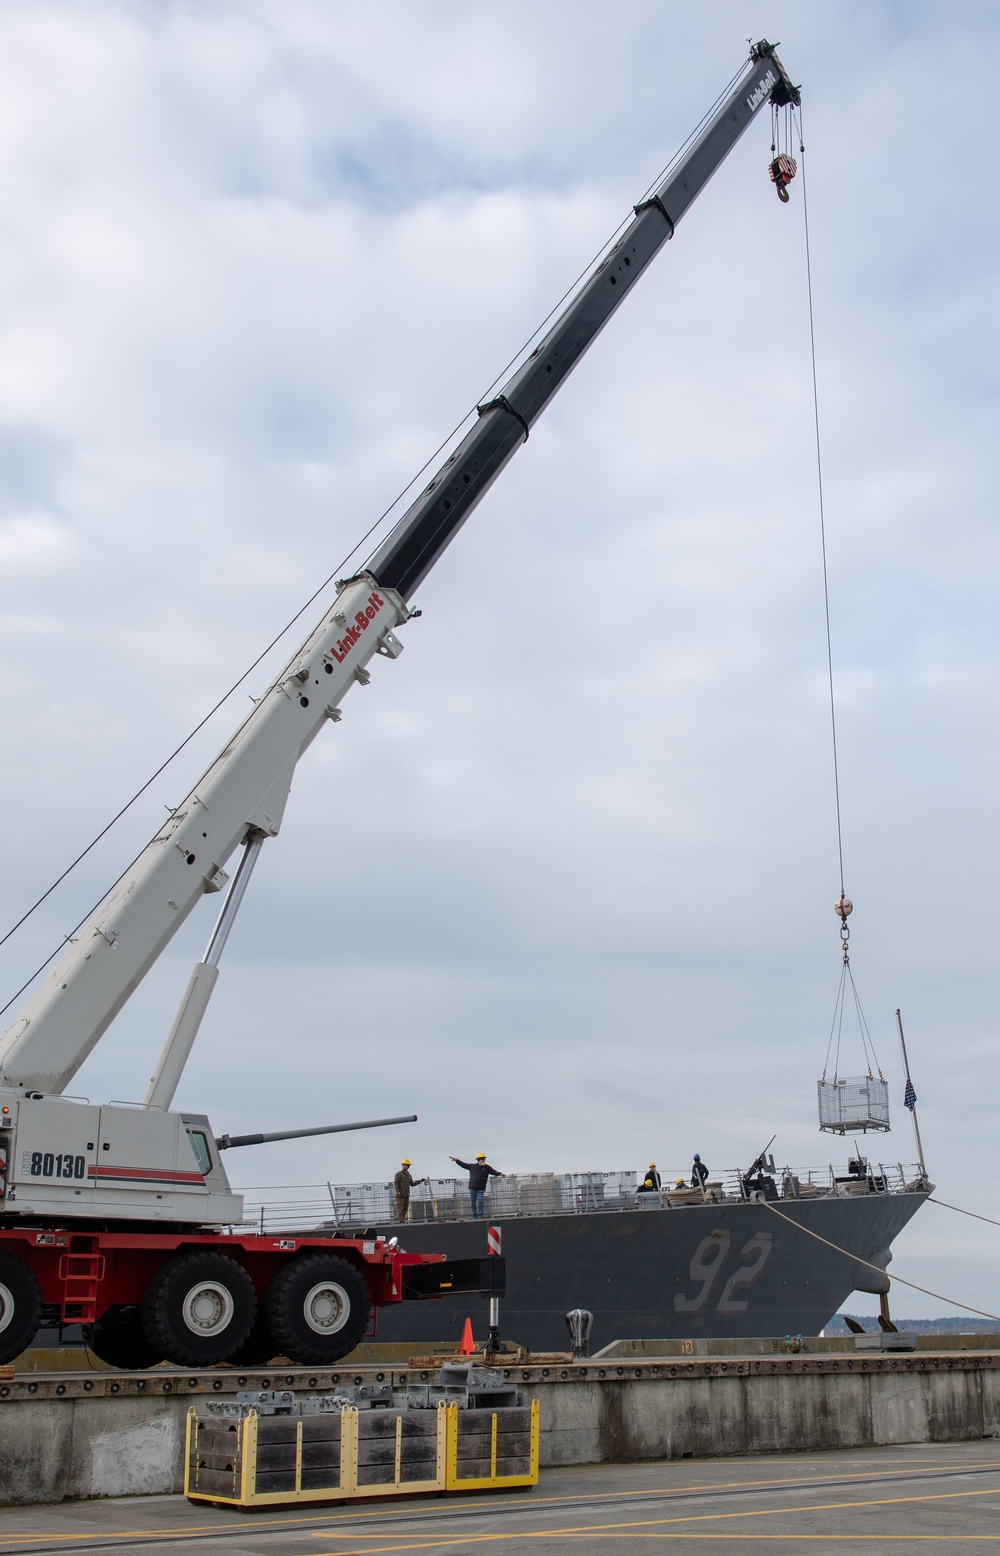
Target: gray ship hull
point(710, 1271)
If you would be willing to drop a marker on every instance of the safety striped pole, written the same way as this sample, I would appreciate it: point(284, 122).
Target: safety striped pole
point(493, 1241)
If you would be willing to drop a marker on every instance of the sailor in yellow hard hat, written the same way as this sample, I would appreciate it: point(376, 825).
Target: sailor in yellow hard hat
point(402, 1183)
point(480, 1172)
point(651, 1180)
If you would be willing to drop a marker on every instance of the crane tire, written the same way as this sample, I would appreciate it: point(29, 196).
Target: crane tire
point(259, 1346)
point(198, 1309)
point(318, 1309)
point(20, 1307)
point(118, 1339)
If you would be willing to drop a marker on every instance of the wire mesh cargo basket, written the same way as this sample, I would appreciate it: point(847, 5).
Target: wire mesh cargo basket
point(853, 1104)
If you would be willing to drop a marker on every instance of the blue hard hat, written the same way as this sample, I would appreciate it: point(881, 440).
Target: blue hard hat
point(697, 1157)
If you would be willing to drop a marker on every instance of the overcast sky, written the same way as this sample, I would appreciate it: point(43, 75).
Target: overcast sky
point(562, 880)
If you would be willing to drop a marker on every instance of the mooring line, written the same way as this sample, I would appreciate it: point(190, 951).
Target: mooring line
point(974, 1213)
point(981, 1313)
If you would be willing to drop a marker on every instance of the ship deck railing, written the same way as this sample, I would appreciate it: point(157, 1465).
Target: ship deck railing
point(348, 1207)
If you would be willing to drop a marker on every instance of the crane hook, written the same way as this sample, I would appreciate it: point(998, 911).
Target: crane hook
point(782, 170)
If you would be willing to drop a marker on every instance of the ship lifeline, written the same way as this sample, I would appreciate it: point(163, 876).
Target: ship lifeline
point(647, 1266)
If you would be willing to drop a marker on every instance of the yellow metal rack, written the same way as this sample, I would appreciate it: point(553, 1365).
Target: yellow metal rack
point(265, 1460)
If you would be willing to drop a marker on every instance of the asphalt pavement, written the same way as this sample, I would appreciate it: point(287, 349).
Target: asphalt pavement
point(944, 1498)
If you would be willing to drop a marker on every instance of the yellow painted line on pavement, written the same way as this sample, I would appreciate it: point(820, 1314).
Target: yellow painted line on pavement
point(687, 1534)
point(373, 1509)
point(602, 1531)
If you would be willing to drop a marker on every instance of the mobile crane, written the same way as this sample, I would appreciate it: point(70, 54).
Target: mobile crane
point(121, 1218)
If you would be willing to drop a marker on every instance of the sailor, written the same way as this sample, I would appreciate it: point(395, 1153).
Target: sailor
point(699, 1173)
point(651, 1182)
point(402, 1183)
point(480, 1172)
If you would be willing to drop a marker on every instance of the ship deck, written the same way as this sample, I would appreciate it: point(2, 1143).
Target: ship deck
point(346, 1206)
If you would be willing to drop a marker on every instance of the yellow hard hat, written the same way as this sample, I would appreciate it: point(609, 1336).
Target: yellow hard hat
point(406, 1161)
point(652, 1164)
point(480, 1156)
point(679, 1184)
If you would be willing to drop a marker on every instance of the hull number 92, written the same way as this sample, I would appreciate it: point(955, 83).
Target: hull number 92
point(46, 1164)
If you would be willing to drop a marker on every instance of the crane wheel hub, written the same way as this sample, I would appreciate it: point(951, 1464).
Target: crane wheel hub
point(7, 1306)
point(326, 1308)
point(208, 1308)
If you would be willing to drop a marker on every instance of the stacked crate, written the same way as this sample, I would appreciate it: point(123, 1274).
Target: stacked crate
point(389, 1451)
point(338, 1455)
point(275, 1458)
point(492, 1447)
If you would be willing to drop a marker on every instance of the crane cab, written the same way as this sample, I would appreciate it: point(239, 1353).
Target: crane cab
point(68, 1157)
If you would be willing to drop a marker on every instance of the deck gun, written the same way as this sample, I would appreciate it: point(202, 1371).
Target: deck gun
point(759, 1177)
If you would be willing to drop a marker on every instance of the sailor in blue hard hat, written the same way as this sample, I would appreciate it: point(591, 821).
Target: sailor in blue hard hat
point(699, 1173)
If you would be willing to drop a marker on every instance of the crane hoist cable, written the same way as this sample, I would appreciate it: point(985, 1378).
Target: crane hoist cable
point(783, 166)
point(822, 530)
point(783, 123)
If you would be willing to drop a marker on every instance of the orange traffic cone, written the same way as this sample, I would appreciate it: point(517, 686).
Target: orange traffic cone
point(467, 1345)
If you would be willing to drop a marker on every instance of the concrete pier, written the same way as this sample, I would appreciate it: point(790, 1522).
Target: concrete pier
point(81, 1434)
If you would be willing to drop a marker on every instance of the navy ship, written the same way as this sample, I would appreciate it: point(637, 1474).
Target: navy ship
point(732, 1259)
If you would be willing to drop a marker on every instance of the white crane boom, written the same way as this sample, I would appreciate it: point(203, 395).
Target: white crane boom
point(242, 796)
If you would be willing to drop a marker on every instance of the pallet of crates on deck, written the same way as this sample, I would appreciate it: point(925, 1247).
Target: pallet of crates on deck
point(469, 1431)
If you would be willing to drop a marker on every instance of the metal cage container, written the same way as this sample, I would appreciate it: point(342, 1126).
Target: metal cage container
point(853, 1103)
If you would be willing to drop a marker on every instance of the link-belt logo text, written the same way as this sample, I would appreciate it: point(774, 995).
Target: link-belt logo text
point(756, 98)
point(362, 621)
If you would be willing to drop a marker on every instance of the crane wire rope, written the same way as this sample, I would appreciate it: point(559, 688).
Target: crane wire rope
point(822, 498)
point(877, 1267)
point(570, 291)
point(836, 1026)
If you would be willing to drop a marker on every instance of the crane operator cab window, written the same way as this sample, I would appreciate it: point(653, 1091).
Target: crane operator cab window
point(199, 1145)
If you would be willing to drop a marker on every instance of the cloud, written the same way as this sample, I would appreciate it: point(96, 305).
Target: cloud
point(33, 540)
point(258, 265)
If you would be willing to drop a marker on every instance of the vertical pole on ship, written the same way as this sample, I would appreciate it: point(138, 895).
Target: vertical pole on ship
point(493, 1250)
point(910, 1097)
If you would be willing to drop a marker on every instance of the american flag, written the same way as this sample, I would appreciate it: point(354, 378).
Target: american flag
point(909, 1095)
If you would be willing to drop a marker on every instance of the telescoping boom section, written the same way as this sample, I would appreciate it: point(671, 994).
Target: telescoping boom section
point(74, 1175)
